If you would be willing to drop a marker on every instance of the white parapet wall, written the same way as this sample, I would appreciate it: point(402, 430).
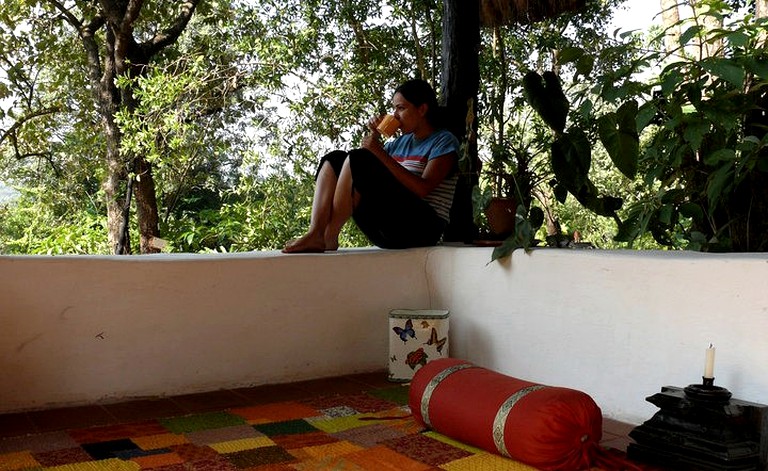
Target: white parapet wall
point(618, 325)
point(85, 329)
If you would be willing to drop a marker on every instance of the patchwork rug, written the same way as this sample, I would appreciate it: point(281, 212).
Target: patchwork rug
point(367, 431)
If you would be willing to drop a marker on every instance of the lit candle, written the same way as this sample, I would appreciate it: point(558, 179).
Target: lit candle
point(709, 365)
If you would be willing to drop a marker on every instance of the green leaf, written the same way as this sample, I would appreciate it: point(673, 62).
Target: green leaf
point(719, 182)
point(569, 54)
point(665, 214)
point(506, 248)
point(586, 107)
point(689, 34)
point(693, 211)
point(698, 237)
point(629, 229)
point(571, 159)
point(757, 67)
point(726, 69)
point(718, 156)
point(737, 38)
point(561, 193)
point(585, 64)
point(545, 94)
point(618, 133)
point(646, 115)
point(670, 81)
point(694, 132)
point(536, 217)
point(627, 34)
point(693, 92)
point(673, 195)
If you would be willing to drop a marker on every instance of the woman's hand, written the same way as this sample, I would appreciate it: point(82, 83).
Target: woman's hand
point(372, 140)
point(373, 123)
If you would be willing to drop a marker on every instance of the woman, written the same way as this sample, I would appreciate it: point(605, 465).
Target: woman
point(399, 193)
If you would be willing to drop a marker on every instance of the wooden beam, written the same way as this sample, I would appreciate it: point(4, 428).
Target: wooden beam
point(460, 84)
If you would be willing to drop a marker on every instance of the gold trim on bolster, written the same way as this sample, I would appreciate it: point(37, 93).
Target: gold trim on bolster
point(501, 416)
point(432, 385)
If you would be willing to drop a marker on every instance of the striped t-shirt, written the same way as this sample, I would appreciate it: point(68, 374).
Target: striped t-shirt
point(413, 154)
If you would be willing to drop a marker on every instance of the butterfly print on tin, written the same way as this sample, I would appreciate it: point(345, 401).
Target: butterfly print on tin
point(406, 331)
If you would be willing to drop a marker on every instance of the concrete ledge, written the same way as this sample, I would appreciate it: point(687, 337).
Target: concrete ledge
point(615, 324)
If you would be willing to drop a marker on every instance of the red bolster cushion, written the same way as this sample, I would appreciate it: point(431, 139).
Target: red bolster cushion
point(551, 428)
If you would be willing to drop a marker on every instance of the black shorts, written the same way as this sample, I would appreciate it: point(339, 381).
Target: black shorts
point(389, 214)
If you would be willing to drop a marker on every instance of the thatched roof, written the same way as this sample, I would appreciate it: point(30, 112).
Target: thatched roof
point(505, 12)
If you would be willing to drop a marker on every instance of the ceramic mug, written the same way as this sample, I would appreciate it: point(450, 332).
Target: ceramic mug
point(388, 126)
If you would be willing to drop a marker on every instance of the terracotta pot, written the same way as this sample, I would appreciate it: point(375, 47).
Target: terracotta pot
point(501, 216)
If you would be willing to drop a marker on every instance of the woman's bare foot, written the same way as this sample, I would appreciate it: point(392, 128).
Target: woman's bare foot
point(306, 244)
point(331, 245)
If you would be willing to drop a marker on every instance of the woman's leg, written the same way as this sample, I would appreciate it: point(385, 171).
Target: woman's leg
point(390, 215)
point(345, 199)
point(331, 207)
point(322, 208)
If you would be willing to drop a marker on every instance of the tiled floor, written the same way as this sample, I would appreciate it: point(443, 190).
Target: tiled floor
point(615, 434)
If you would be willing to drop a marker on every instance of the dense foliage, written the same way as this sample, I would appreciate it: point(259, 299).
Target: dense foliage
point(667, 142)
point(700, 176)
point(517, 142)
point(231, 118)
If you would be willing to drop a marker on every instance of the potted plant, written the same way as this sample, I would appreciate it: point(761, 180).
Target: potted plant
point(508, 183)
point(495, 203)
point(503, 202)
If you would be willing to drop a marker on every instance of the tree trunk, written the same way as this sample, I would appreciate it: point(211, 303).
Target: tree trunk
point(147, 214)
point(761, 11)
point(460, 84)
point(115, 178)
point(670, 17)
point(146, 206)
point(761, 8)
point(128, 60)
point(108, 97)
point(713, 47)
point(501, 96)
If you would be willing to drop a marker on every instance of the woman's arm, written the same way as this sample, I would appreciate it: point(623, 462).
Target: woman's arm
point(436, 170)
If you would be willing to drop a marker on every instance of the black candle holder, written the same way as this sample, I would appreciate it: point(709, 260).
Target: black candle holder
point(701, 428)
point(707, 391)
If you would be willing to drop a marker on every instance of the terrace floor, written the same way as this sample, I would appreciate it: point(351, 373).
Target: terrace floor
point(45, 430)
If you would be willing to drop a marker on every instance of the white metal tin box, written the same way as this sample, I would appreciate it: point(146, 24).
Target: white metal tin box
point(416, 336)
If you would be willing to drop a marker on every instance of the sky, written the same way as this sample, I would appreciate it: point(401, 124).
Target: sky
point(637, 14)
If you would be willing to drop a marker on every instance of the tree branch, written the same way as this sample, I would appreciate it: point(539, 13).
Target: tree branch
point(87, 33)
point(48, 156)
point(131, 14)
point(111, 9)
point(170, 35)
point(11, 132)
point(417, 47)
point(70, 18)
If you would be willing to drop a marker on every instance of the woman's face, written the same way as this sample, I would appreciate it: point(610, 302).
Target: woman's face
point(411, 117)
